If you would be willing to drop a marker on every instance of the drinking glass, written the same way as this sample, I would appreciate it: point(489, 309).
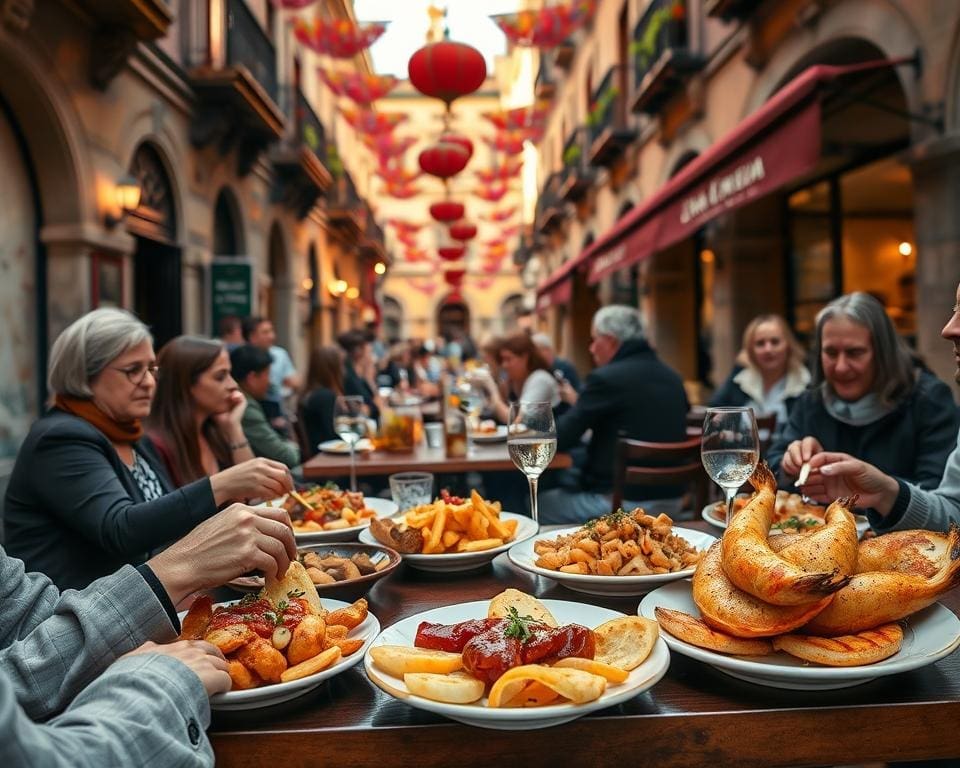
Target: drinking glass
point(411, 489)
point(350, 423)
point(729, 449)
point(472, 397)
point(532, 442)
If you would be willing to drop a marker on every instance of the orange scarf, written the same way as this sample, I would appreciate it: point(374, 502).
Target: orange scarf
point(116, 431)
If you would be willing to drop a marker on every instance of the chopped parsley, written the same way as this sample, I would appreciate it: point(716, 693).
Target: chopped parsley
point(519, 626)
point(294, 593)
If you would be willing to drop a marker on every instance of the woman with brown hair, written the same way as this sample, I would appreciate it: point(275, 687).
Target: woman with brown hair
point(324, 385)
point(526, 373)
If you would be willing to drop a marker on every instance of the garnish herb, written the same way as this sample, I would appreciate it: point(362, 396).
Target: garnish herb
point(519, 626)
point(295, 593)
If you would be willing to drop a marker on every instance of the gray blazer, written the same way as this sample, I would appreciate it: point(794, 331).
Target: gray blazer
point(63, 700)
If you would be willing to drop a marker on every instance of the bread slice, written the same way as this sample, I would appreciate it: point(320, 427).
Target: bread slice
point(295, 583)
point(526, 605)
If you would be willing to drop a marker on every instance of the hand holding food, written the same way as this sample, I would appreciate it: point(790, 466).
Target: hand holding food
point(839, 474)
point(254, 479)
point(798, 453)
point(204, 659)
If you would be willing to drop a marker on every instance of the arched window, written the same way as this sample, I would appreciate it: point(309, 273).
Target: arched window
point(392, 313)
point(227, 233)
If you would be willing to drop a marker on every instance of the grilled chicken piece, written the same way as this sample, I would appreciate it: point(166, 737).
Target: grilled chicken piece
point(408, 541)
point(921, 553)
point(692, 630)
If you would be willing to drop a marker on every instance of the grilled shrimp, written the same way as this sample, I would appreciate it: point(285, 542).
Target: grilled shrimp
point(918, 552)
point(750, 563)
point(832, 546)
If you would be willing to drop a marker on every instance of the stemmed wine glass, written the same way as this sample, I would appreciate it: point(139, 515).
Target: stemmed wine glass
point(730, 449)
point(350, 423)
point(532, 442)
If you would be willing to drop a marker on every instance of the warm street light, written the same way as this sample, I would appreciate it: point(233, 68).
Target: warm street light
point(905, 248)
point(126, 195)
point(380, 268)
point(353, 292)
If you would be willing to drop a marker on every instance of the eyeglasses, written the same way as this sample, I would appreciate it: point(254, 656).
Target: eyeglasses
point(137, 374)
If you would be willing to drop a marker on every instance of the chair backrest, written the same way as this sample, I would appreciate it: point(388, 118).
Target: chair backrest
point(647, 464)
point(765, 427)
point(307, 451)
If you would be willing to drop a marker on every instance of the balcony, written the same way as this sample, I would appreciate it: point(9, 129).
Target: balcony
point(609, 134)
point(550, 208)
point(372, 245)
point(232, 66)
point(545, 86)
point(729, 10)
point(662, 60)
point(121, 24)
point(577, 176)
point(299, 161)
point(346, 213)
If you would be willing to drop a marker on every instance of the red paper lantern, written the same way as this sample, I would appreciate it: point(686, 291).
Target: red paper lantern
point(463, 230)
point(454, 297)
point(459, 139)
point(451, 252)
point(446, 211)
point(447, 70)
point(443, 159)
point(454, 277)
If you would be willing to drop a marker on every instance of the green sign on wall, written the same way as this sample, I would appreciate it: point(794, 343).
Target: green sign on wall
point(231, 290)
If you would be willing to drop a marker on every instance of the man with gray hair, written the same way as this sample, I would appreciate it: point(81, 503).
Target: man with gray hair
point(562, 369)
point(630, 393)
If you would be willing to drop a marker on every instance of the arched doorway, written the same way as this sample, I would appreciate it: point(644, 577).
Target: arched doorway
point(227, 231)
point(157, 282)
point(453, 317)
point(392, 314)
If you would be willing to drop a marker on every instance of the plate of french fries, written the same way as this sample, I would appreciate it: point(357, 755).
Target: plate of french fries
point(625, 553)
point(450, 535)
point(624, 658)
point(282, 642)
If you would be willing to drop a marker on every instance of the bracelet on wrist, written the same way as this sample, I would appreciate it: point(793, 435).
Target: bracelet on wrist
point(239, 446)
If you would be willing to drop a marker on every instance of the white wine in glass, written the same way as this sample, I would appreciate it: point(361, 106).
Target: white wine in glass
point(532, 442)
point(730, 449)
point(350, 423)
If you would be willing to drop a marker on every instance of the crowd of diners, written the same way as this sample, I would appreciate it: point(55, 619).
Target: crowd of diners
point(131, 492)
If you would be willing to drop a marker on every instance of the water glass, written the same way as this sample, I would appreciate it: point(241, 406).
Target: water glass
point(730, 449)
point(532, 442)
point(411, 489)
point(350, 423)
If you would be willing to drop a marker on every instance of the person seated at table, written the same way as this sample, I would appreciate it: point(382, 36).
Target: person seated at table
point(869, 400)
point(359, 370)
point(631, 393)
point(893, 503)
point(559, 366)
point(284, 379)
point(97, 677)
point(250, 367)
point(398, 368)
point(86, 495)
point(324, 386)
point(526, 373)
point(769, 374)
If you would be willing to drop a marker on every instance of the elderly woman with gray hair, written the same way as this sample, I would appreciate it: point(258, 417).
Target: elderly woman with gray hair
point(85, 496)
point(868, 399)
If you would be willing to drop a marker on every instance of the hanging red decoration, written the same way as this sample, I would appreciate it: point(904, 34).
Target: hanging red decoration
point(360, 87)
point(492, 194)
point(405, 226)
point(415, 254)
point(340, 38)
point(454, 277)
point(527, 118)
point(509, 142)
point(447, 70)
point(447, 211)
point(504, 214)
point(292, 5)
point(386, 146)
point(428, 287)
point(547, 27)
point(459, 139)
point(463, 230)
point(482, 283)
point(367, 121)
point(396, 174)
point(510, 231)
point(401, 191)
point(491, 267)
point(495, 244)
point(443, 159)
point(452, 253)
point(409, 239)
point(454, 297)
point(506, 170)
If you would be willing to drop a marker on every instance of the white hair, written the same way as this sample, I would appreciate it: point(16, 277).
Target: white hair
point(620, 321)
point(88, 345)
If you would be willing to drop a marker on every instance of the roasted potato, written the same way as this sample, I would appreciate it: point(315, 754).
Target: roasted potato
point(307, 640)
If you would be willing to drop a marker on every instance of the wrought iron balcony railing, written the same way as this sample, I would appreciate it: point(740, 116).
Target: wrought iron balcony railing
point(577, 175)
point(609, 132)
point(661, 55)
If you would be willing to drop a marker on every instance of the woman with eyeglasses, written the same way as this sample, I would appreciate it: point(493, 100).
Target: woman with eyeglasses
point(86, 495)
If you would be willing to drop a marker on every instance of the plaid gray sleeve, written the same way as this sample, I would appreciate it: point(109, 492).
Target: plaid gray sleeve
point(54, 645)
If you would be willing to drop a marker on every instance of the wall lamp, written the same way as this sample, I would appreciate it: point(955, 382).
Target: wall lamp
point(126, 195)
point(380, 268)
point(337, 287)
point(353, 292)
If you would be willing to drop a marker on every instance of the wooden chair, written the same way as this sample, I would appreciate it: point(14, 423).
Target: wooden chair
point(307, 451)
point(695, 420)
point(645, 464)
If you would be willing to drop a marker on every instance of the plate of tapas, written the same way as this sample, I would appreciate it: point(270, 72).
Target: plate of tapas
point(282, 642)
point(364, 445)
point(322, 514)
point(489, 431)
point(625, 553)
point(515, 662)
point(791, 514)
point(451, 534)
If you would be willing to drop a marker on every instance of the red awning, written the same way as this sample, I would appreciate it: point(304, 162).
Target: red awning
point(560, 292)
point(773, 146)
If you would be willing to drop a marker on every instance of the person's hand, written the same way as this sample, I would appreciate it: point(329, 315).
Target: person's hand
point(253, 479)
point(482, 377)
point(203, 659)
point(233, 542)
point(798, 453)
point(229, 422)
point(833, 475)
point(567, 393)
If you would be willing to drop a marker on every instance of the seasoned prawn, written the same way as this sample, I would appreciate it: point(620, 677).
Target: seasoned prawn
point(918, 552)
point(832, 546)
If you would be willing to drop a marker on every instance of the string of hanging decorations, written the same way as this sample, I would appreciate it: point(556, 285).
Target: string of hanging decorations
point(362, 88)
point(337, 38)
point(547, 27)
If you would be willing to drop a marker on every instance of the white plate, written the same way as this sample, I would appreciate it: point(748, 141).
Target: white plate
point(268, 695)
point(364, 445)
point(523, 556)
point(499, 436)
point(515, 718)
point(928, 635)
point(383, 508)
point(863, 525)
point(463, 561)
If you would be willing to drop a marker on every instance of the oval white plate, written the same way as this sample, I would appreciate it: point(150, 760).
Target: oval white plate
point(707, 513)
point(928, 635)
point(463, 561)
point(514, 718)
point(268, 695)
point(523, 556)
point(499, 436)
point(363, 445)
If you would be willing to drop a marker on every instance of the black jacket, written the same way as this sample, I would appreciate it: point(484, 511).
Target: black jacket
point(317, 414)
point(911, 442)
point(354, 384)
point(635, 395)
point(74, 512)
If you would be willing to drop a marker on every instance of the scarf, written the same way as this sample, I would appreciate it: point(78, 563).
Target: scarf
point(858, 413)
point(116, 431)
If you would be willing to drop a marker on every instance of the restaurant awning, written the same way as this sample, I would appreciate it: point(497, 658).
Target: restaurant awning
point(775, 145)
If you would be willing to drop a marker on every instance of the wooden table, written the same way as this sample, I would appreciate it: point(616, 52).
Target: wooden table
point(695, 716)
point(481, 458)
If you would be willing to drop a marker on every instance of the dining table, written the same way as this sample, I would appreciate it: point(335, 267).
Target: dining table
point(694, 716)
point(490, 457)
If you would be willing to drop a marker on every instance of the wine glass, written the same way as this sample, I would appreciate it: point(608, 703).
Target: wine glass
point(350, 423)
point(532, 442)
point(730, 449)
point(472, 399)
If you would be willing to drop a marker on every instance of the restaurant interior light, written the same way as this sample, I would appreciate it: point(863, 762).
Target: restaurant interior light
point(905, 248)
point(707, 256)
point(380, 268)
point(353, 292)
point(337, 287)
point(307, 283)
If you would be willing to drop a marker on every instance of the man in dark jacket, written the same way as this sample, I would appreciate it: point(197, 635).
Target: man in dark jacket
point(630, 393)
